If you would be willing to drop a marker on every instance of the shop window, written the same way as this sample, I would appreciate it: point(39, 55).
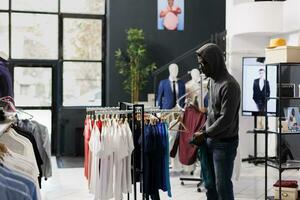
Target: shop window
point(82, 84)
point(35, 5)
point(4, 5)
point(34, 36)
point(4, 46)
point(83, 6)
point(32, 86)
point(82, 39)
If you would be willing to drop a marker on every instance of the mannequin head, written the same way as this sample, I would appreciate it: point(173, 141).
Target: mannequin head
point(195, 74)
point(170, 3)
point(261, 73)
point(173, 70)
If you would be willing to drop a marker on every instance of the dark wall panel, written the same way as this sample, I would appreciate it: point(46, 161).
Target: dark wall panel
point(202, 18)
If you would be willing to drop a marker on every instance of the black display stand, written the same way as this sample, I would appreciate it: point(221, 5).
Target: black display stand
point(254, 158)
point(277, 163)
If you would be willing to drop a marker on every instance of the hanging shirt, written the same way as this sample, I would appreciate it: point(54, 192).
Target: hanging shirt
point(94, 146)
point(130, 148)
point(35, 148)
point(19, 187)
point(193, 120)
point(120, 153)
point(6, 88)
point(42, 139)
point(30, 185)
point(87, 135)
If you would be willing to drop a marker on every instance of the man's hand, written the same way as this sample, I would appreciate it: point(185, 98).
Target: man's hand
point(198, 138)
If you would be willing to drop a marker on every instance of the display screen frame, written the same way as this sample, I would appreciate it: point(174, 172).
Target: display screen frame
point(252, 112)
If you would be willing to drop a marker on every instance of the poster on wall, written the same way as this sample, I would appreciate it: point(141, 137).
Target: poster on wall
point(170, 15)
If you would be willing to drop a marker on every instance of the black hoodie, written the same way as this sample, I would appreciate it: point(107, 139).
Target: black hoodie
point(224, 96)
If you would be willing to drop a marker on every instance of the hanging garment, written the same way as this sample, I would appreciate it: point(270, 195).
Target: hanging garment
point(87, 135)
point(156, 160)
point(6, 88)
point(37, 155)
point(42, 138)
point(111, 145)
point(194, 121)
point(94, 147)
point(30, 185)
point(137, 151)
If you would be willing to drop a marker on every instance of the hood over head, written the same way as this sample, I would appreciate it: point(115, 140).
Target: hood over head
point(213, 55)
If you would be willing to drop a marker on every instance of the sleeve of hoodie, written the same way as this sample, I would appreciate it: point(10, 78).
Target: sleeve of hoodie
point(230, 102)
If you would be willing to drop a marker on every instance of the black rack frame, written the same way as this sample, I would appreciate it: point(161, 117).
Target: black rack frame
point(279, 132)
point(254, 158)
point(137, 109)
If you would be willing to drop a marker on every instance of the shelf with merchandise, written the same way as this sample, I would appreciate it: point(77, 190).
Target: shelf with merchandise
point(282, 130)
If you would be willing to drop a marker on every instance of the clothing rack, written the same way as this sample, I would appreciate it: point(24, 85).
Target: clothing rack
point(136, 109)
point(92, 109)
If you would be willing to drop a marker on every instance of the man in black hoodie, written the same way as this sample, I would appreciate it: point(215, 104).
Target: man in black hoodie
point(222, 125)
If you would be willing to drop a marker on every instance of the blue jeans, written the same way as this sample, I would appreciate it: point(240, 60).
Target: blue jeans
point(221, 157)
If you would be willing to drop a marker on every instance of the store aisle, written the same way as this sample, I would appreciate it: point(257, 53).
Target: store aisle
point(70, 184)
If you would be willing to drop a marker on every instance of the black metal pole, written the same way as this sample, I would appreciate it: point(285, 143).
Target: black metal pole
point(255, 139)
point(279, 107)
point(266, 139)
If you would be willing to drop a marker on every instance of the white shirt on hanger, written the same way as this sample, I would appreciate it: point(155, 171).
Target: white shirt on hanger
point(128, 159)
point(94, 145)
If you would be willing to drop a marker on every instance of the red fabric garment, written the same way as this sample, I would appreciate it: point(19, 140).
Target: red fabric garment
point(87, 136)
point(287, 184)
point(194, 121)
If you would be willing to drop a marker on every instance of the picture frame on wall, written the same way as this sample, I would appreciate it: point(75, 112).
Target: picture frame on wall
point(170, 15)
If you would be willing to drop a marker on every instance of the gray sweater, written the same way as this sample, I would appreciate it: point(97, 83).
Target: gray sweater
point(224, 96)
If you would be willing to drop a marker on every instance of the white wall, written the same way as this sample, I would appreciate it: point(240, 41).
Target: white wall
point(291, 16)
point(263, 18)
point(249, 29)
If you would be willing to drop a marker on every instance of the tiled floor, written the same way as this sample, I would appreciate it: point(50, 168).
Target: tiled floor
point(70, 184)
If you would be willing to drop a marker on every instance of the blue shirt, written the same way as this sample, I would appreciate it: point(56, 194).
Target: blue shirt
point(30, 185)
point(14, 189)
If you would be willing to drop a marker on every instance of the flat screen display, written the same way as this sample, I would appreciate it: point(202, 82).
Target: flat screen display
point(257, 87)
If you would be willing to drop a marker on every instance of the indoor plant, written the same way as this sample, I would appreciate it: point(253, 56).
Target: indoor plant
point(134, 64)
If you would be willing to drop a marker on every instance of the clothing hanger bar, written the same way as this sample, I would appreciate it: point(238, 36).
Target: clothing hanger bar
point(113, 112)
point(127, 104)
point(91, 109)
point(161, 111)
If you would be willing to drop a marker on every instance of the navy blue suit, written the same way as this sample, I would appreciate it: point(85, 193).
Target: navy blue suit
point(165, 98)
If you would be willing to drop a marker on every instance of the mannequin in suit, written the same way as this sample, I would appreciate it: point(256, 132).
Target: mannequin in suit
point(170, 90)
point(261, 90)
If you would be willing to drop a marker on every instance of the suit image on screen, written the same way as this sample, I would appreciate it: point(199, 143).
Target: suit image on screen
point(165, 95)
point(259, 95)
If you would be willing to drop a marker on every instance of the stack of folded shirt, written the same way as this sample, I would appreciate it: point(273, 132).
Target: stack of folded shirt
point(289, 189)
point(286, 183)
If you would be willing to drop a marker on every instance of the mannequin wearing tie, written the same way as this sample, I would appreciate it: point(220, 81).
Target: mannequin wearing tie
point(170, 89)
